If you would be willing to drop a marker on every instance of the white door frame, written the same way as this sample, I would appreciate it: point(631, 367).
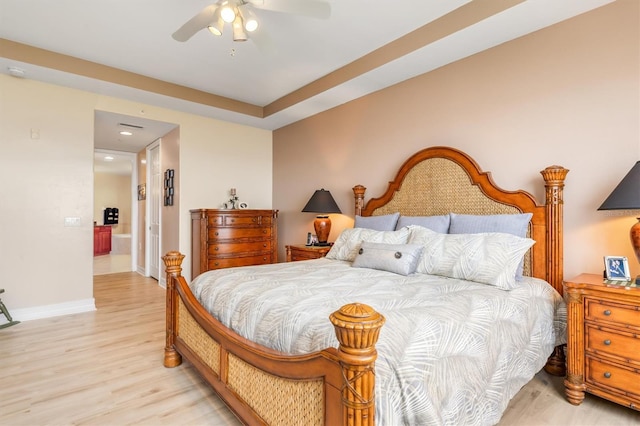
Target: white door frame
point(148, 251)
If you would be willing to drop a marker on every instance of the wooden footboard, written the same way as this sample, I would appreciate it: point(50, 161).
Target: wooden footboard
point(263, 386)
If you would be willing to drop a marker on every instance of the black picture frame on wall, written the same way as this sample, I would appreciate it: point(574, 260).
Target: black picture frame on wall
point(168, 187)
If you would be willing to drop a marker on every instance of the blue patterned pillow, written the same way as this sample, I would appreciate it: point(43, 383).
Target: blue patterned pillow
point(348, 242)
point(435, 223)
point(385, 222)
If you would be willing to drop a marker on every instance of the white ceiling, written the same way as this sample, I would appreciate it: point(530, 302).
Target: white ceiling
point(135, 35)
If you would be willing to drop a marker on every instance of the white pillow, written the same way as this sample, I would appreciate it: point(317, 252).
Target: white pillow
point(490, 258)
point(348, 242)
point(397, 258)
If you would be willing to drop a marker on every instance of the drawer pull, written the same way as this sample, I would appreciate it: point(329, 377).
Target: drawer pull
point(217, 264)
point(264, 231)
point(607, 342)
point(607, 312)
point(217, 233)
point(217, 248)
point(607, 375)
point(253, 219)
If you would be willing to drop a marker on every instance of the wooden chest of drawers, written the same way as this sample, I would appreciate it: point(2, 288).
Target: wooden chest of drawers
point(226, 238)
point(603, 349)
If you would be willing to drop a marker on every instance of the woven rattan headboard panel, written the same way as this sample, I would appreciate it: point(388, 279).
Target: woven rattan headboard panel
point(441, 180)
point(437, 186)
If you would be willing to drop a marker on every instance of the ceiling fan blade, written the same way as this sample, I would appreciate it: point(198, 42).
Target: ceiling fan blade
point(312, 8)
point(195, 24)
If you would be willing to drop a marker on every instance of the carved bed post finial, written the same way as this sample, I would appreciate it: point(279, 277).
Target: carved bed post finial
point(172, 262)
point(554, 177)
point(358, 193)
point(357, 328)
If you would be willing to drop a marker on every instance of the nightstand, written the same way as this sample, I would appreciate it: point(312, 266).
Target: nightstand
point(603, 340)
point(302, 252)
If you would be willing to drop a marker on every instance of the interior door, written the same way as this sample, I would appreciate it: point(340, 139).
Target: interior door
point(154, 190)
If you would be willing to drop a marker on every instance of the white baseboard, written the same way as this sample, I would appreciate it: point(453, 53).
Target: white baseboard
point(47, 311)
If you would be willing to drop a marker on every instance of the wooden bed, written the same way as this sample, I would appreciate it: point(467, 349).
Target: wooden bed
point(336, 386)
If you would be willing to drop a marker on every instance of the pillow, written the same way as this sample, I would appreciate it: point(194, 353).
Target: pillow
point(435, 223)
point(348, 242)
point(516, 224)
point(489, 258)
point(385, 222)
point(398, 258)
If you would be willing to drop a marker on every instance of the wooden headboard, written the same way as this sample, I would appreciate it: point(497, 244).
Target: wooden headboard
point(440, 180)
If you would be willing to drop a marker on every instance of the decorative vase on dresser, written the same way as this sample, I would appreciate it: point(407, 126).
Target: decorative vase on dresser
point(603, 340)
point(235, 237)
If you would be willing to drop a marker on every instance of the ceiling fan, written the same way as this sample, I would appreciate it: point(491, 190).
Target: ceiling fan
point(240, 15)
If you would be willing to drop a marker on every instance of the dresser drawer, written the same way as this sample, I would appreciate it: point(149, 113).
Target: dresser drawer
point(605, 310)
point(239, 261)
point(236, 233)
point(614, 343)
point(602, 373)
point(239, 220)
point(236, 248)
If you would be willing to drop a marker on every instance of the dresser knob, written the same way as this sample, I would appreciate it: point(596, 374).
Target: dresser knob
point(607, 375)
point(607, 342)
point(217, 248)
point(264, 245)
point(264, 231)
point(253, 219)
point(607, 312)
point(217, 264)
point(217, 233)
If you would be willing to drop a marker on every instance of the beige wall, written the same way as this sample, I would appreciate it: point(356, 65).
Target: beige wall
point(47, 266)
point(170, 159)
point(567, 95)
point(141, 159)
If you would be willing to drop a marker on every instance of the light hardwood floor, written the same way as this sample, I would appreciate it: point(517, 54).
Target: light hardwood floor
point(105, 368)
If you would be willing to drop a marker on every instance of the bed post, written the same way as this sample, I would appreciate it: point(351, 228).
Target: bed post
point(358, 193)
point(357, 328)
point(554, 185)
point(172, 262)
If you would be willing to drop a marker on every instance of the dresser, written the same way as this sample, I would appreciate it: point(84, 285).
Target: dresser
point(302, 252)
point(603, 348)
point(236, 237)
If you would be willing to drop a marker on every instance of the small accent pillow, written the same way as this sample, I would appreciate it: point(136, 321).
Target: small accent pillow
point(489, 258)
point(397, 258)
point(515, 224)
point(385, 222)
point(348, 242)
point(435, 223)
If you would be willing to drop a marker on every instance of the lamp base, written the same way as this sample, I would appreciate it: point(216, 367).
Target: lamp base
point(322, 226)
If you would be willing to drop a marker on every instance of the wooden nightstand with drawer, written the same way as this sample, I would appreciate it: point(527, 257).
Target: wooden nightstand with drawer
point(302, 252)
point(603, 340)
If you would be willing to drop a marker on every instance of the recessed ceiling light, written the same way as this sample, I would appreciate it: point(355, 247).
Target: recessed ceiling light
point(125, 133)
point(108, 158)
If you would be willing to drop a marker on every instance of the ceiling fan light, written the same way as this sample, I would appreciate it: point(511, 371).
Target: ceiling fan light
point(238, 30)
point(228, 14)
point(248, 17)
point(217, 25)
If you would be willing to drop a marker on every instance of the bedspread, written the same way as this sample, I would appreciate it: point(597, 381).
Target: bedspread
point(451, 352)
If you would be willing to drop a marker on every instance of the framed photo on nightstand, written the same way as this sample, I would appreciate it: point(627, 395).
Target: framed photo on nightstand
point(617, 268)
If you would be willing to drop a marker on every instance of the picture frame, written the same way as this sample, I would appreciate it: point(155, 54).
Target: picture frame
point(142, 192)
point(616, 268)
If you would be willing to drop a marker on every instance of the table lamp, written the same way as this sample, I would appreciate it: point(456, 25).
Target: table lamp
point(626, 196)
point(322, 202)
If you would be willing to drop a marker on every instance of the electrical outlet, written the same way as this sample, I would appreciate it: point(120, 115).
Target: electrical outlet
point(72, 221)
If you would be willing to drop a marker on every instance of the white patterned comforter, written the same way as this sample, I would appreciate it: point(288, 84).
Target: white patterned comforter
point(451, 352)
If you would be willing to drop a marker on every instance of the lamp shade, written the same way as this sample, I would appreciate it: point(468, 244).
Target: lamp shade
point(321, 202)
point(626, 196)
